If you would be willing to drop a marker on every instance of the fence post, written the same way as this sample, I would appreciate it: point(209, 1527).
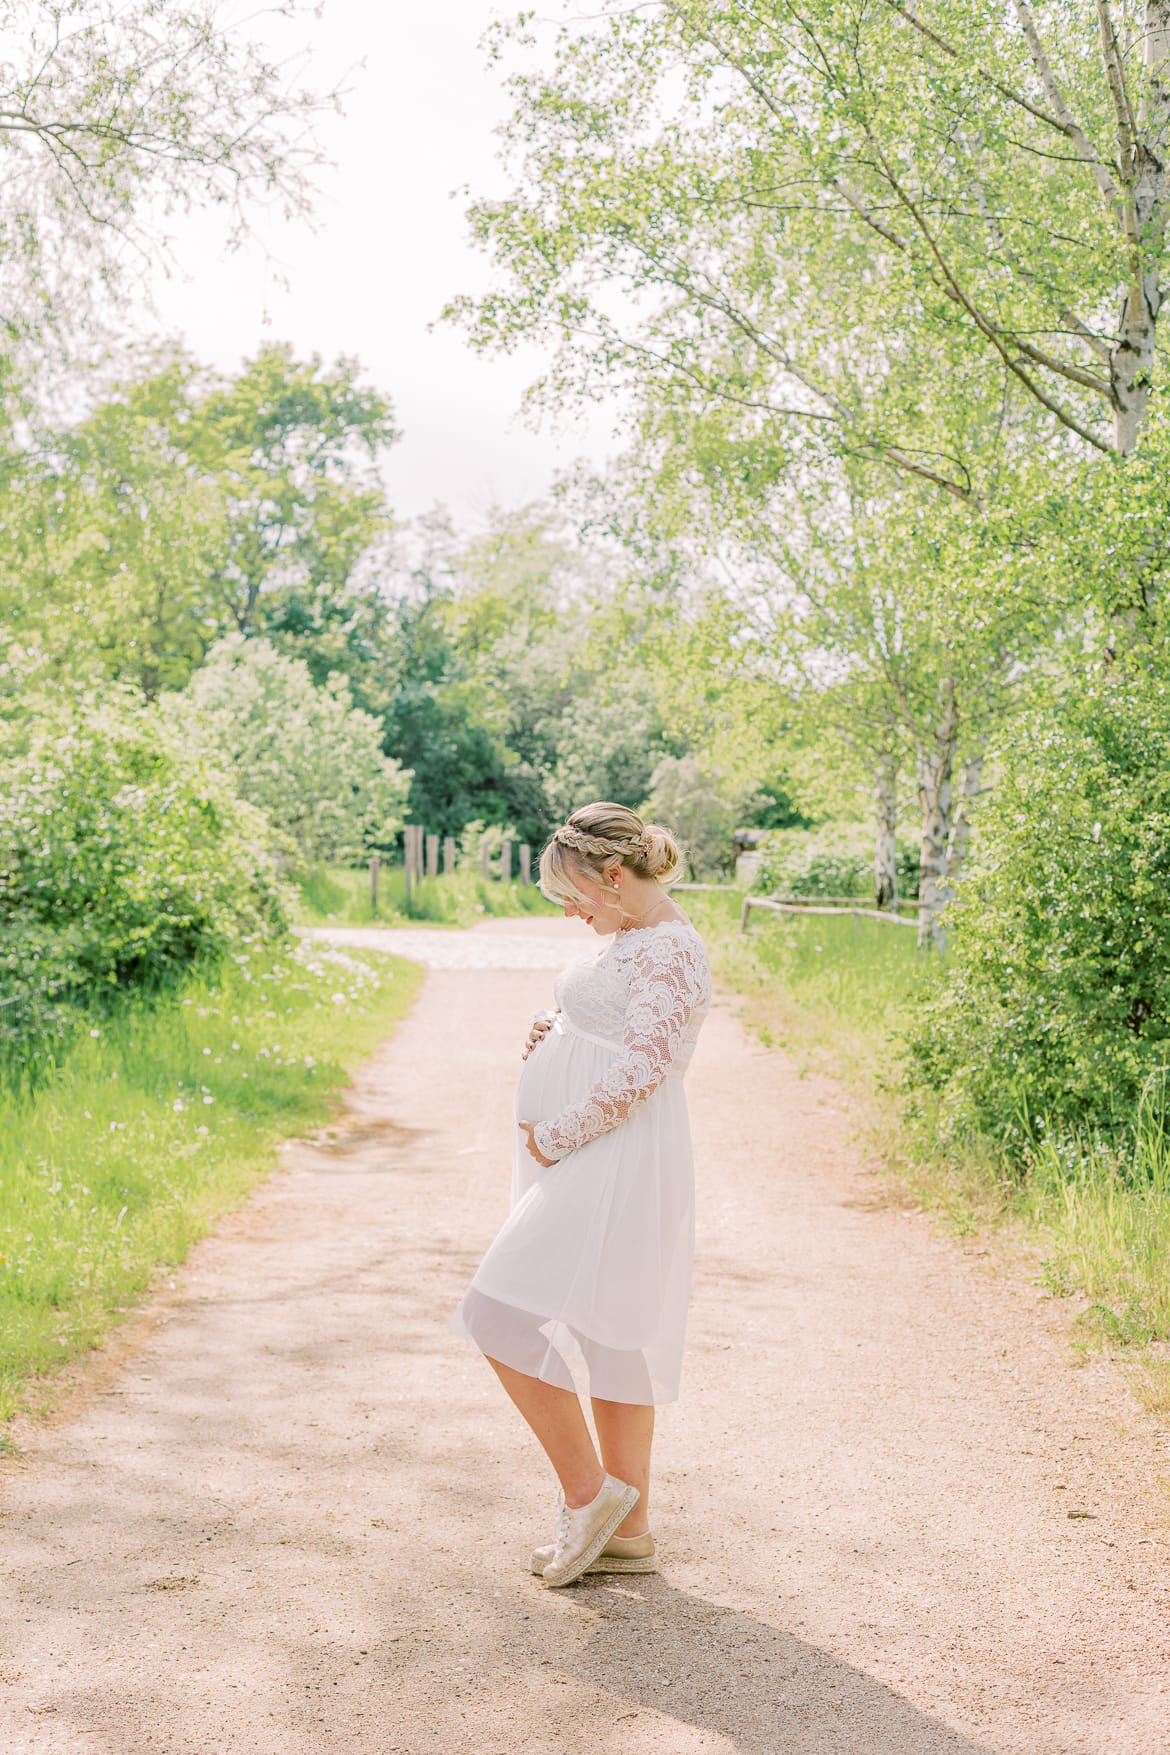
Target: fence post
point(375, 862)
point(448, 855)
point(432, 856)
point(407, 860)
point(484, 860)
point(506, 861)
point(418, 852)
point(525, 863)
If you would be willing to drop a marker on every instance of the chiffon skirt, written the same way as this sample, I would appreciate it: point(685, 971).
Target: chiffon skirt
point(588, 1282)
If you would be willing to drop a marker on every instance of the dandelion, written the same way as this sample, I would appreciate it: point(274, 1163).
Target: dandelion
point(95, 1032)
point(209, 1099)
point(177, 1105)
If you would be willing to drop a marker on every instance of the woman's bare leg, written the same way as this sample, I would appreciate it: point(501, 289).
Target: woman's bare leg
point(558, 1421)
point(626, 1431)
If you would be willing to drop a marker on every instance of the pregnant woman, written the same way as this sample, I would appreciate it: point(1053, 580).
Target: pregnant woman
point(585, 1289)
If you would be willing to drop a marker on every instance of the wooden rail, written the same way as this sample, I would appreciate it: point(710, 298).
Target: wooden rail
point(844, 902)
point(750, 902)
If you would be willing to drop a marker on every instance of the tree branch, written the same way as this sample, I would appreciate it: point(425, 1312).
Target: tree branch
point(1072, 127)
point(994, 334)
point(947, 282)
point(1059, 123)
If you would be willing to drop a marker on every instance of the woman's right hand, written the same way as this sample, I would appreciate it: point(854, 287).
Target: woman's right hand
point(541, 1025)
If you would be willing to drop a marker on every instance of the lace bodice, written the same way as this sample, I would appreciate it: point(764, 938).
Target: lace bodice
point(646, 994)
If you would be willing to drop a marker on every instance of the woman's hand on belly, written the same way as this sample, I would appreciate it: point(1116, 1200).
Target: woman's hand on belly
point(541, 1024)
point(529, 1127)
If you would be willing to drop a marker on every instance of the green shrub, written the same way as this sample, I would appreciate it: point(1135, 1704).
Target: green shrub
point(303, 754)
point(1057, 1009)
point(123, 861)
point(833, 860)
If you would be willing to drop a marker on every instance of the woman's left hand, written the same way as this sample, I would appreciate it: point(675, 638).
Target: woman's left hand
point(529, 1129)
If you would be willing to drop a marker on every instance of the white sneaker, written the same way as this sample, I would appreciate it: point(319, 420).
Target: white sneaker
point(620, 1554)
point(583, 1532)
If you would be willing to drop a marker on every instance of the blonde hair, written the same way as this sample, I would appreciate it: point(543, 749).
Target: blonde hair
point(594, 835)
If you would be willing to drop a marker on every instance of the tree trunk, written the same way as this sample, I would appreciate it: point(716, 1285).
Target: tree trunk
point(936, 761)
point(885, 867)
point(970, 787)
point(1131, 367)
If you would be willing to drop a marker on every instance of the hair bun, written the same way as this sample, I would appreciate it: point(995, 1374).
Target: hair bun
point(660, 851)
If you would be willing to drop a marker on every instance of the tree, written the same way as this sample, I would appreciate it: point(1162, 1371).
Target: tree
point(520, 696)
point(699, 804)
point(305, 755)
point(294, 448)
point(117, 538)
point(787, 198)
point(187, 506)
point(115, 113)
point(802, 277)
point(608, 745)
point(446, 727)
point(914, 627)
point(859, 618)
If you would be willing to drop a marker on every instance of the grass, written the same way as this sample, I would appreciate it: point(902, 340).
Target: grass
point(341, 897)
point(1091, 1221)
point(833, 992)
point(160, 1120)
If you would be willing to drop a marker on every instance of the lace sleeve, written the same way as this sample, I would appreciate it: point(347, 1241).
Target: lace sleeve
point(667, 984)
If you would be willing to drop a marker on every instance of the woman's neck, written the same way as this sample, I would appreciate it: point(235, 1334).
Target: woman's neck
point(648, 918)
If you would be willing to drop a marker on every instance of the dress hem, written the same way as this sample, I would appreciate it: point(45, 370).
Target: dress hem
point(566, 1365)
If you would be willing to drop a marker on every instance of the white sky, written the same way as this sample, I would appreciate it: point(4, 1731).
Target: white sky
point(390, 247)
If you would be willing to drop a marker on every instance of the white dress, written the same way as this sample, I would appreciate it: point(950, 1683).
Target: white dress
point(587, 1283)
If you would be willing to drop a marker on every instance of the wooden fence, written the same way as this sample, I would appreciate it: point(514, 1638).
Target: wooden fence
point(421, 856)
point(806, 905)
point(421, 852)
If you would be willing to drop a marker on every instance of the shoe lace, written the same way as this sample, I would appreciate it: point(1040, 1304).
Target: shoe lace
point(562, 1525)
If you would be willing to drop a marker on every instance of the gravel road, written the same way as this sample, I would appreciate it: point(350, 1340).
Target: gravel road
point(286, 1512)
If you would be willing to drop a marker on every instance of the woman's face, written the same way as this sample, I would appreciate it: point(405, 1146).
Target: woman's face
point(602, 913)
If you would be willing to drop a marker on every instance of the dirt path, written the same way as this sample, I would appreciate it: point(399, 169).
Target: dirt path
point(291, 1513)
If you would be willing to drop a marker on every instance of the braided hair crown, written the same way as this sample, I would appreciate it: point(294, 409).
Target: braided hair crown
point(597, 833)
point(601, 846)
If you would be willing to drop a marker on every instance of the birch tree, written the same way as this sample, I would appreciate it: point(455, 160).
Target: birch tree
point(839, 241)
point(912, 634)
point(781, 197)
